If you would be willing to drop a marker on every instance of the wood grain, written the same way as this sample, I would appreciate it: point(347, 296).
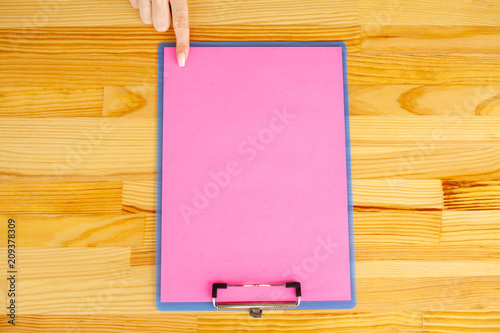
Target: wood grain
point(455, 321)
point(138, 101)
point(423, 69)
point(78, 161)
point(429, 39)
point(419, 268)
point(31, 15)
point(121, 290)
point(85, 148)
point(424, 100)
point(397, 193)
point(50, 277)
point(430, 251)
point(77, 231)
point(447, 293)
point(393, 227)
point(449, 128)
point(425, 12)
point(60, 197)
point(471, 227)
point(471, 194)
point(139, 196)
point(313, 322)
point(50, 101)
point(145, 39)
point(120, 13)
point(174, 322)
point(426, 160)
point(146, 254)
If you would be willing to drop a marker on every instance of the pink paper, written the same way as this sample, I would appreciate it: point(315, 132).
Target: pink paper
point(254, 174)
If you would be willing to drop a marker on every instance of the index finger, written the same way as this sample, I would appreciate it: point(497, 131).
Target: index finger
point(180, 21)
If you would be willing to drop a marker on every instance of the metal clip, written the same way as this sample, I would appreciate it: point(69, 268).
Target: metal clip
point(256, 307)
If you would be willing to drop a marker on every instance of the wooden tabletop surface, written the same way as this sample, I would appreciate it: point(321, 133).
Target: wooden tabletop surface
point(77, 161)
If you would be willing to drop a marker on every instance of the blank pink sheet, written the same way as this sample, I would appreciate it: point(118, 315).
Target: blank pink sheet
point(254, 174)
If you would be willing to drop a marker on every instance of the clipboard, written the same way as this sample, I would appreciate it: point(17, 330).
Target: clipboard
point(254, 197)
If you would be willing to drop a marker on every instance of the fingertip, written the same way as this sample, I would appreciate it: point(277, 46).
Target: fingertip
point(146, 18)
point(161, 24)
point(182, 53)
point(134, 4)
point(145, 11)
point(181, 59)
point(161, 15)
point(161, 28)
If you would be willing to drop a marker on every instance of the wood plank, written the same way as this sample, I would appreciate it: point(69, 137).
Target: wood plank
point(461, 321)
point(427, 252)
point(423, 69)
point(77, 69)
point(49, 278)
point(150, 231)
point(426, 160)
point(471, 194)
point(60, 197)
point(50, 101)
point(426, 100)
point(30, 13)
point(69, 231)
point(106, 286)
point(143, 256)
point(274, 12)
point(427, 12)
point(92, 40)
point(397, 227)
point(420, 268)
point(429, 39)
point(311, 321)
point(159, 322)
point(447, 293)
point(388, 27)
point(450, 128)
point(137, 101)
point(139, 196)
point(146, 254)
point(79, 148)
point(471, 227)
point(397, 194)
point(144, 39)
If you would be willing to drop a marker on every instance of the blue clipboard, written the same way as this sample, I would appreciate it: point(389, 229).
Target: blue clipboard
point(208, 306)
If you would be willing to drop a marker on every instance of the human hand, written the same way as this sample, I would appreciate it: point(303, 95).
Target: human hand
point(157, 12)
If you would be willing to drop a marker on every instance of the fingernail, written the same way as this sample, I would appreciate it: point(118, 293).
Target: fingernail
point(181, 58)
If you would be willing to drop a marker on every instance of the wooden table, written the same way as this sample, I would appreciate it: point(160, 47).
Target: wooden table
point(77, 161)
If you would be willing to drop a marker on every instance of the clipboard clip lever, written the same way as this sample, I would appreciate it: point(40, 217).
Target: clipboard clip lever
point(256, 307)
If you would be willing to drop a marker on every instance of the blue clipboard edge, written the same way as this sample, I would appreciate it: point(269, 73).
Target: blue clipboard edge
point(208, 306)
